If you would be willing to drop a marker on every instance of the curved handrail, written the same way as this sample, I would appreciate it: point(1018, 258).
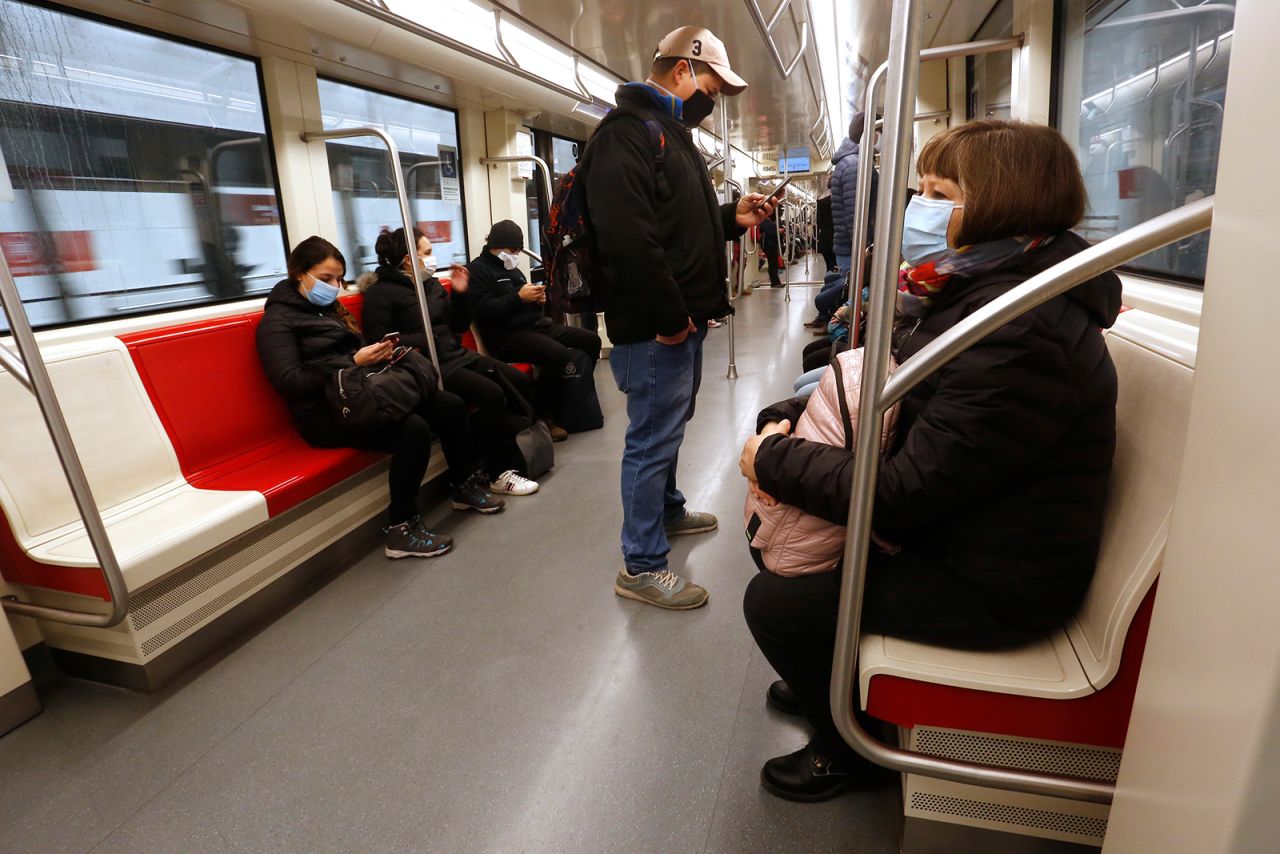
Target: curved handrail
point(878, 393)
point(784, 68)
point(499, 42)
point(402, 194)
point(29, 368)
point(526, 158)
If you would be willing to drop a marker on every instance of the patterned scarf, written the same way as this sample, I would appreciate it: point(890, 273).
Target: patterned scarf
point(917, 286)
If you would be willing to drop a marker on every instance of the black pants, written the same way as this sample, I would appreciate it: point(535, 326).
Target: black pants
point(817, 354)
point(771, 250)
point(549, 350)
point(409, 444)
point(828, 258)
point(477, 384)
point(793, 621)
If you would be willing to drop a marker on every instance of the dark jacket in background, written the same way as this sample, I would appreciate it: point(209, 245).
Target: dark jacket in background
point(301, 346)
point(844, 197)
point(826, 225)
point(390, 305)
point(1002, 458)
point(495, 300)
point(661, 242)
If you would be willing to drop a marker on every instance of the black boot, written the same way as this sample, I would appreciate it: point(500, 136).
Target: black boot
point(781, 698)
point(810, 777)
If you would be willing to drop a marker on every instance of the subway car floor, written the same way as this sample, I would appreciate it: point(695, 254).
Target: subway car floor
point(500, 698)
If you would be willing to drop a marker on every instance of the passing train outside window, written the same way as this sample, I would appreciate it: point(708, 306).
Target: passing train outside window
point(141, 166)
point(1142, 89)
point(364, 192)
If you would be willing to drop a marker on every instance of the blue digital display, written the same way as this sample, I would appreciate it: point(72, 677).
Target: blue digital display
point(795, 160)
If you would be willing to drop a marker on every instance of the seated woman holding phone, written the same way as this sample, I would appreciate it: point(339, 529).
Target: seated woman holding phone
point(306, 340)
point(508, 311)
point(391, 307)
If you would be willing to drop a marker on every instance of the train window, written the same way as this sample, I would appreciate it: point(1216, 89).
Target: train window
point(990, 76)
point(142, 170)
point(364, 192)
point(1142, 89)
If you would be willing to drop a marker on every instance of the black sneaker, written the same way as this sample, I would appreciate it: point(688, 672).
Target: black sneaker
point(474, 494)
point(809, 777)
point(411, 539)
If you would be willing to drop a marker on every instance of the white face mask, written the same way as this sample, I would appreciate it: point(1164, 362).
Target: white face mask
point(428, 263)
point(509, 260)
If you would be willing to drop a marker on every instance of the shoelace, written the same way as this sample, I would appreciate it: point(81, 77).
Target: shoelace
point(666, 579)
point(516, 480)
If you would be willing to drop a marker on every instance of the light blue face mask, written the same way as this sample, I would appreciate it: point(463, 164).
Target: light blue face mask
point(321, 293)
point(924, 230)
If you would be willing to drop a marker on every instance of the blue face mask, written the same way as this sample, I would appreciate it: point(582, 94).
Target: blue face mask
point(924, 231)
point(321, 293)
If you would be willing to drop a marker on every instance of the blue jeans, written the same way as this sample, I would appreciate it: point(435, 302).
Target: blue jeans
point(831, 296)
point(844, 262)
point(661, 384)
point(807, 382)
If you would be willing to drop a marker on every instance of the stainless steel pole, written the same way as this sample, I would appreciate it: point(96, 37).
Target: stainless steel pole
point(727, 197)
point(402, 194)
point(39, 382)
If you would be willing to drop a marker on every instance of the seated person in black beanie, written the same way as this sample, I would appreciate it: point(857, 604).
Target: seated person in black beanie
point(509, 312)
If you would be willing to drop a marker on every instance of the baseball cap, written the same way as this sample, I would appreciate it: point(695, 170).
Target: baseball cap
point(700, 43)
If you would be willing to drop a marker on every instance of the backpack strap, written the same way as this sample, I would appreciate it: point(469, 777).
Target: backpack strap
point(659, 138)
point(844, 404)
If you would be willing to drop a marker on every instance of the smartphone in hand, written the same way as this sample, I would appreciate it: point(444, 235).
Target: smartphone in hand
point(777, 192)
point(393, 337)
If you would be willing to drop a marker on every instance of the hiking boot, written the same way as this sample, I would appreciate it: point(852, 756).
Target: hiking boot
point(511, 483)
point(664, 589)
point(474, 494)
point(411, 539)
point(781, 698)
point(691, 523)
point(816, 323)
point(809, 777)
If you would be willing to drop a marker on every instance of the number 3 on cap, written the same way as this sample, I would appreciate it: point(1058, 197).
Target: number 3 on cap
point(697, 47)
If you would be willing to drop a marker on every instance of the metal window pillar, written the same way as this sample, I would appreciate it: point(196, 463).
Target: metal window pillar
point(28, 368)
point(879, 393)
point(402, 193)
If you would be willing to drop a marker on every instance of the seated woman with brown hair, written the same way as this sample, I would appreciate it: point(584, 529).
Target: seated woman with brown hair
point(995, 483)
point(306, 336)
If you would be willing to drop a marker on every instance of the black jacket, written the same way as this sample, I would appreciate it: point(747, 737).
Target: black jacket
point(826, 226)
point(1002, 458)
point(661, 240)
point(495, 300)
point(390, 305)
point(301, 346)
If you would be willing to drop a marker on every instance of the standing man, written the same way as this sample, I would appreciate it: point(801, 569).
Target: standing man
point(660, 234)
point(844, 193)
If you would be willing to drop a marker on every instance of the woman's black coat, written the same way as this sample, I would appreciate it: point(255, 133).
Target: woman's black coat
point(390, 305)
point(1002, 458)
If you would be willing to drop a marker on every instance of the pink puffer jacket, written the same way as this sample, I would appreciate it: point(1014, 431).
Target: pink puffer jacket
point(792, 542)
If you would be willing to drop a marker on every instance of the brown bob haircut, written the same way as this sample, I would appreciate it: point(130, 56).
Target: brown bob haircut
point(1017, 178)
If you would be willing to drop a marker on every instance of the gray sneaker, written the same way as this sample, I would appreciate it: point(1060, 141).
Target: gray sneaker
point(664, 589)
point(411, 539)
point(691, 523)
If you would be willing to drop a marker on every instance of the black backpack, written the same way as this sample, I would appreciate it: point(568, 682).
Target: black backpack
point(575, 281)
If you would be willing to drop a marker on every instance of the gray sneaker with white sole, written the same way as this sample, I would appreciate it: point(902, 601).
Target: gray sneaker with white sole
point(691, 523)
point(664, 589)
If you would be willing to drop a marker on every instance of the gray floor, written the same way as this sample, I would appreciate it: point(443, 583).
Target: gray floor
point(498, 699)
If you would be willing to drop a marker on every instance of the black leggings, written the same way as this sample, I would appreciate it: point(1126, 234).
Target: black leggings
point(793, 621)
point(549, 350)
point(409, 444)
point(477, 384)
point(817, 354)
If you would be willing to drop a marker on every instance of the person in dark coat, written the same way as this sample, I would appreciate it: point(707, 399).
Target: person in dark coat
point(661, 232)
point(994, 488)
point(844, 193)
point(391, 305)
point(304, 338)
point(826, 232)
point(508, 311)
point(772, 251)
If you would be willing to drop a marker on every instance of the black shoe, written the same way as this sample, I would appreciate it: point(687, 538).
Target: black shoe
point(809, 777)
point(781, 698)
point(411, 539)
point(816, 323)
point(474, 494)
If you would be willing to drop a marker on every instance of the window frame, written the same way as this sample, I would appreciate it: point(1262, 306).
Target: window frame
point(457, 134)
point(268, 136)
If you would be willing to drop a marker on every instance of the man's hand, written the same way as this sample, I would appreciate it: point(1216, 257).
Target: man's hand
point(678, 338)
point(459, 278)
point(747, 461)
point(532, 293)
point(747, 215)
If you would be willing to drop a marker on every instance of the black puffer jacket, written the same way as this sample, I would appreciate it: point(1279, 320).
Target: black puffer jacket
point(1002, 458)
point(390, 305)
point(495, 300)
point(661, 241)
point(301, 346)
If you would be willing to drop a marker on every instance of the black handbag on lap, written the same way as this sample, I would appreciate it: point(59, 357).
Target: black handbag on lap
point(370, 396)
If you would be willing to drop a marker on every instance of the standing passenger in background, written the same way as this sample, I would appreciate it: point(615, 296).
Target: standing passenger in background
point(772, 250)
point(844, 193)
point(826, 233)
point(508, 311)
point(660, 232)
point(391, 306)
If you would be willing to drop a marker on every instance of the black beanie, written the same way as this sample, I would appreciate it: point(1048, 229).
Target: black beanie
point(856, 126)
point(505, 235)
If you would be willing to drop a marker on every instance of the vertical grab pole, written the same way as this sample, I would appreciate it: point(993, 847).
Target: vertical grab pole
point(727, 196)
point(900, 102)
